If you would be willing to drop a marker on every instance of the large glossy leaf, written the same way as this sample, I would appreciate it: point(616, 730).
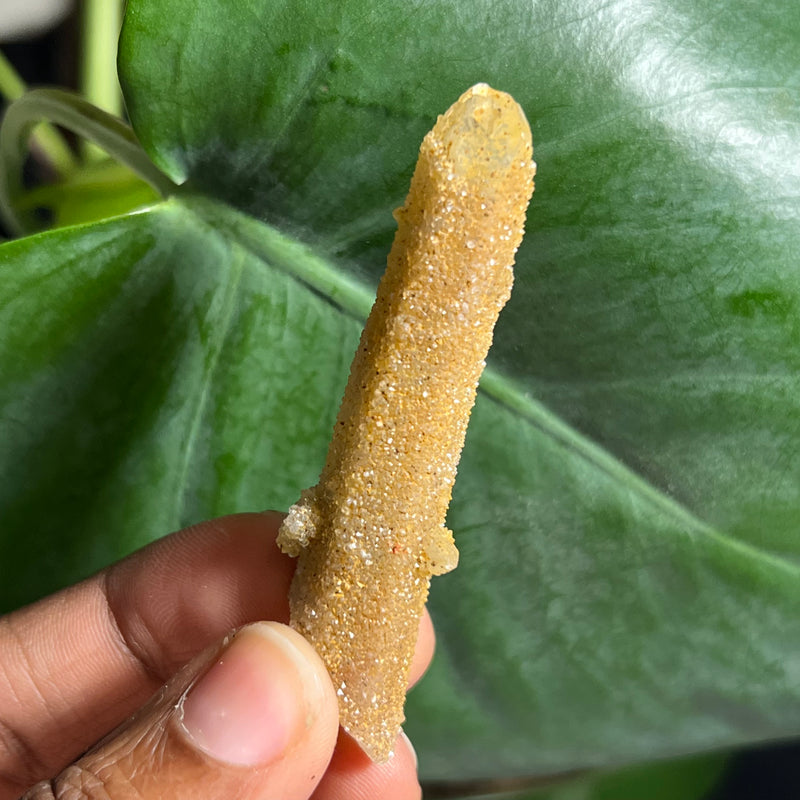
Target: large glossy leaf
point(627, 508)
point(656, 305)
point(149, 369)
point(180, 372)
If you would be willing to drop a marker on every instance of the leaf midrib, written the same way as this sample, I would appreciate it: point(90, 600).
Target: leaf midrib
point(202, 398)
point(354, 299)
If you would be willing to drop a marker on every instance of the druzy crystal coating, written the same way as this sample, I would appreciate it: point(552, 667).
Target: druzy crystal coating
point(371, 533)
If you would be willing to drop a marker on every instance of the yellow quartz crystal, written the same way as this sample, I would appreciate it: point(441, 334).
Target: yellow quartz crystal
point(371, 533)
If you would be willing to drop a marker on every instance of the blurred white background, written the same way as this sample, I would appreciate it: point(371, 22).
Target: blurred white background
point(24, 18)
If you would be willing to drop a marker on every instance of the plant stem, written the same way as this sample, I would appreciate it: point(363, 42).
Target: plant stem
point(101, 23)
point(48, 141)
point(76, 114)
point(11, 84)
point(102, 20)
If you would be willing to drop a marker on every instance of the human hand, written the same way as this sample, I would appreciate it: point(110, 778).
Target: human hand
point(251, 715)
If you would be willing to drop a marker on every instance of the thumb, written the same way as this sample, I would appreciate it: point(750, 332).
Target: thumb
point(253, 717)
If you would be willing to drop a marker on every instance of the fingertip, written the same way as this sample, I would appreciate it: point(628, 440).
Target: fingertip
point(405, 742)
point(352, 775)
point(423, 654)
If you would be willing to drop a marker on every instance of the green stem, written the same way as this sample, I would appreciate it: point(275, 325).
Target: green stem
point(11, 84)
point(74, 113)
point(48, 140)
point(102, 20)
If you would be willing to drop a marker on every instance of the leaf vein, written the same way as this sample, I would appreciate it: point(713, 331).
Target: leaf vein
point(220, 334)
point(353, 298)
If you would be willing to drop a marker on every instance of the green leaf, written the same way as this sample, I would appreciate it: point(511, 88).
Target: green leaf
point(99, 190)
point(657, 300)
point(146, 363)
point(685, 779)
point(627, 507)
point(192, 375)
point(680, 780)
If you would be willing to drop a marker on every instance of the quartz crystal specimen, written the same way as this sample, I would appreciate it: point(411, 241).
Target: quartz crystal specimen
point(371, 533)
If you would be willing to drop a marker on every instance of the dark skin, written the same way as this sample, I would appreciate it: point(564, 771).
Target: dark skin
point(76, 665)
